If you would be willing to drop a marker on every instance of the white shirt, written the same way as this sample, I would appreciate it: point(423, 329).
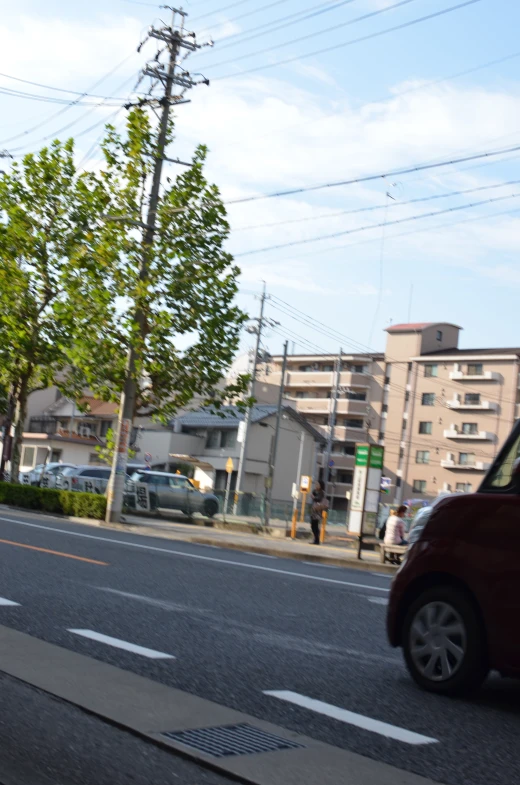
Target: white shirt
point(394, 530)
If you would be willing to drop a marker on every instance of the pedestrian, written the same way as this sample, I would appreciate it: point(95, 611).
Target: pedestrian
point(394, 534)
point(319, 504)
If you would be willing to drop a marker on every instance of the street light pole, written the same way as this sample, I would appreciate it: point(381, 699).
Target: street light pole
point(332, 422)
point(272, 456)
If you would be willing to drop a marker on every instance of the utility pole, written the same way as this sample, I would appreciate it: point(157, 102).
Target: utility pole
point(247, 418)
point(174, 39)
point(8, 427)
point(332, 421)
point(272, 456)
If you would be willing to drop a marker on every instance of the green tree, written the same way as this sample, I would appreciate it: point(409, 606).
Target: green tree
point(47, 212)
point(190, 328)
point(106, 453)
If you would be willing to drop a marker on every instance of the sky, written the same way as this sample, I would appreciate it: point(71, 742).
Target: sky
point(443, 86)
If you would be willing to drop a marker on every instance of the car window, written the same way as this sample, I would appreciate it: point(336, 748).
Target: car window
point(502, 475)
point(160, 479)
point(100, 473)
point(140, 477)
point(69, 470)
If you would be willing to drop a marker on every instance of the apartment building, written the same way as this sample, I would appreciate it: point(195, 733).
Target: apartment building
point(441, 412)
point(309, 384)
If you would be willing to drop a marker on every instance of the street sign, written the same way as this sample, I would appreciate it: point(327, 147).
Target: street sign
point(295, 493)
point(147, 457)
point(229, 465)
point(305, 483)
point(331, 464)
point(366, 488)
point(386, 484)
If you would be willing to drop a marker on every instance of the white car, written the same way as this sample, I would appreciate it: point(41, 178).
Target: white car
point(45, 474)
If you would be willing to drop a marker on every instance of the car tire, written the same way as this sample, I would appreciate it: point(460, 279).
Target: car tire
point(444, 642)
point(210, 508)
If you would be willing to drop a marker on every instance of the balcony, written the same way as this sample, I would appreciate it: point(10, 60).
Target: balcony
point(340, 489)
point(313, 405)
point(479, 436)
point(478, 466)
point(483, 406)
point(486, 376)
point(324, 379)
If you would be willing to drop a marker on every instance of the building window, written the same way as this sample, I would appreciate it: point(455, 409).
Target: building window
point(469, 428)
point(349, 448)
point(327, 368)
point(352, 422)
point(428, 399)
point(439, 335)
point(28, 456)
point(422, 456)
point(55, 456)
point(305, 368)
point(345, 477)
point(472, 399)
point(106, 425)
point(356, 396)
point(475, 369)
point(228, 439)
point(431, 370)
point(425, 427)
point(463, 487)
point(303, 394)
point(419, 486)
point(467, 458)
point(213, 440)
point(355, 368)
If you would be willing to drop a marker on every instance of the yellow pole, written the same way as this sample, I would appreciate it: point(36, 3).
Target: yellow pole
point(294, 522)
point(324, 517)
point(304, 499)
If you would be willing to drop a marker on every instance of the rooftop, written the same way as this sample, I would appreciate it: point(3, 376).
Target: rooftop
point(491, 351)
point(231, 416)
point(417, 327)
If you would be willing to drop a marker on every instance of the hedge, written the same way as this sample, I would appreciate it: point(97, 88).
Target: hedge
point(82, 505)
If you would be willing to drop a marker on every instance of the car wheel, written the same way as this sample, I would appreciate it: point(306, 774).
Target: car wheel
point(210, 508)
point(444, 642)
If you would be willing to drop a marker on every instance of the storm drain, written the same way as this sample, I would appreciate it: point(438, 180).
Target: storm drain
point(228, 740)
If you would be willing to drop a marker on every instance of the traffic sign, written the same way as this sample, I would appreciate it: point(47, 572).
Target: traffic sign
point(229, 465)
point(331, 464)
point(147, 457)
point(305, 483)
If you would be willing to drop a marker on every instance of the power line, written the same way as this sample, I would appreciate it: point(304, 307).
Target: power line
point(384, 175)
point(371, 208)
point(368, 37)
point(47, 99)
point(219, 10)
point(383, 224)
point(243, 16)
point(59, 89)
point(349, 22)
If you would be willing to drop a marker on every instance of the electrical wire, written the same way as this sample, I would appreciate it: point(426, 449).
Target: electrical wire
point(383, 224)
point(221, 10)
point(316, 33)
point(361, 39)
point(371, 208)
point(59, 89)
point(248, 13)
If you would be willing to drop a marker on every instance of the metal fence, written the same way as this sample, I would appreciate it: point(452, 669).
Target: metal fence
point(252, 506)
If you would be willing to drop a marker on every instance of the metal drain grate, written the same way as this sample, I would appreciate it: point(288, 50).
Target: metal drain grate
point(228, 740)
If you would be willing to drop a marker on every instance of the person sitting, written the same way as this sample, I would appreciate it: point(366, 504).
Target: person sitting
point(394, 534)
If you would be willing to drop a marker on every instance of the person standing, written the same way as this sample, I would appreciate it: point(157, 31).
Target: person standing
point(394, 534)
point(319, 504)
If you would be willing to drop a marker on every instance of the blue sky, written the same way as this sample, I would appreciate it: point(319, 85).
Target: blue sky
point(361, 109)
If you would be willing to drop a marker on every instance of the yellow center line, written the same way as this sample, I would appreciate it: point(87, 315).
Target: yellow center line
point(55, 553)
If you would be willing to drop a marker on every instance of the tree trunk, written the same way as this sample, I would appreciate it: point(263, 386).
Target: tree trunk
point(8, 424)
point(19, 421)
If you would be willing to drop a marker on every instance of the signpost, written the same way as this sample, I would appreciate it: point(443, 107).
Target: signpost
point(305, 486)
point(365, 491)
point(229, 468)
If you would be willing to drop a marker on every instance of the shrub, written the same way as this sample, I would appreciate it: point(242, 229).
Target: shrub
point(82, 505)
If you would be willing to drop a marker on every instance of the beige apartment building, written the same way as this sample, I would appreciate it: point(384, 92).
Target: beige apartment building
point(441, 412)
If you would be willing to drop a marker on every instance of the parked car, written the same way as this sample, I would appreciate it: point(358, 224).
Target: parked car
point(45, 474)
point(455, 601)
point(90, 479)
point(175, 492)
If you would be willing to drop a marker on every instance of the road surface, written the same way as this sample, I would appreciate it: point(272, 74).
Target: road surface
point(299, 645)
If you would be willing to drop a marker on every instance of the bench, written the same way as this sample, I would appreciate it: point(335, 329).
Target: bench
point(391, 553)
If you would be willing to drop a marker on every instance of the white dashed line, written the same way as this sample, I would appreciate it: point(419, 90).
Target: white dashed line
point(9, 603)
point(261, 555)
point(118, 644)
point(318, 564)
point(378, 600)
point(382, 575)
point(350, 718)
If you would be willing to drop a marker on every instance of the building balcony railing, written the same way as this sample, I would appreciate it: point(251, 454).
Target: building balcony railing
point(483, 406)
point(486, 376)
point(482, 436)
point(478, 466)
point(323, 379)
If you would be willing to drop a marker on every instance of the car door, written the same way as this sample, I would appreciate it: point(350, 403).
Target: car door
point(493, 536)
point(178, 496)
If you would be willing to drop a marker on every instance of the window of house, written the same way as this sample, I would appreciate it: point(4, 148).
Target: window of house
point(305, 368)
point(106, 425)
point(428, 399)
point(425, 427)
point(475, 369)
point(356, 396)
point(55, 456)
point(356, 368)
point(463, 487)
point(431, 370)
point(467, 458)
point(422, 456)
point(213, 440)
point(419, 486)
point(345, 477)
point(472, 399)
point(228, 439)
point(28, 456)
point(439, 335)
point(352, 422)
point(469, 428)
point(327, 368)
point(349, 448)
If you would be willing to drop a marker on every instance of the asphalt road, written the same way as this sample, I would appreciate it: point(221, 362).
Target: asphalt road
point(239, 625)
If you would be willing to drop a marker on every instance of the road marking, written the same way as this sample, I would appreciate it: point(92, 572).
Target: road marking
point(119, 644)
point(55, 553)
point(197, 556)
point(317, 564)
point(382, 575)
point(261, 555)
point(9, 603)
point(349, 717)
point(378, 600)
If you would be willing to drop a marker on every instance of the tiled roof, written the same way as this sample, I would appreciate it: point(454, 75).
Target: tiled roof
point(230, 417)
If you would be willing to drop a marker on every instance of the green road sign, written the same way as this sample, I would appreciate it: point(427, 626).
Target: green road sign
point(362, 451)
point(376, 457)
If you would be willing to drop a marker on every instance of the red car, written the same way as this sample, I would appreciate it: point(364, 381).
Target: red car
point(455, 601)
